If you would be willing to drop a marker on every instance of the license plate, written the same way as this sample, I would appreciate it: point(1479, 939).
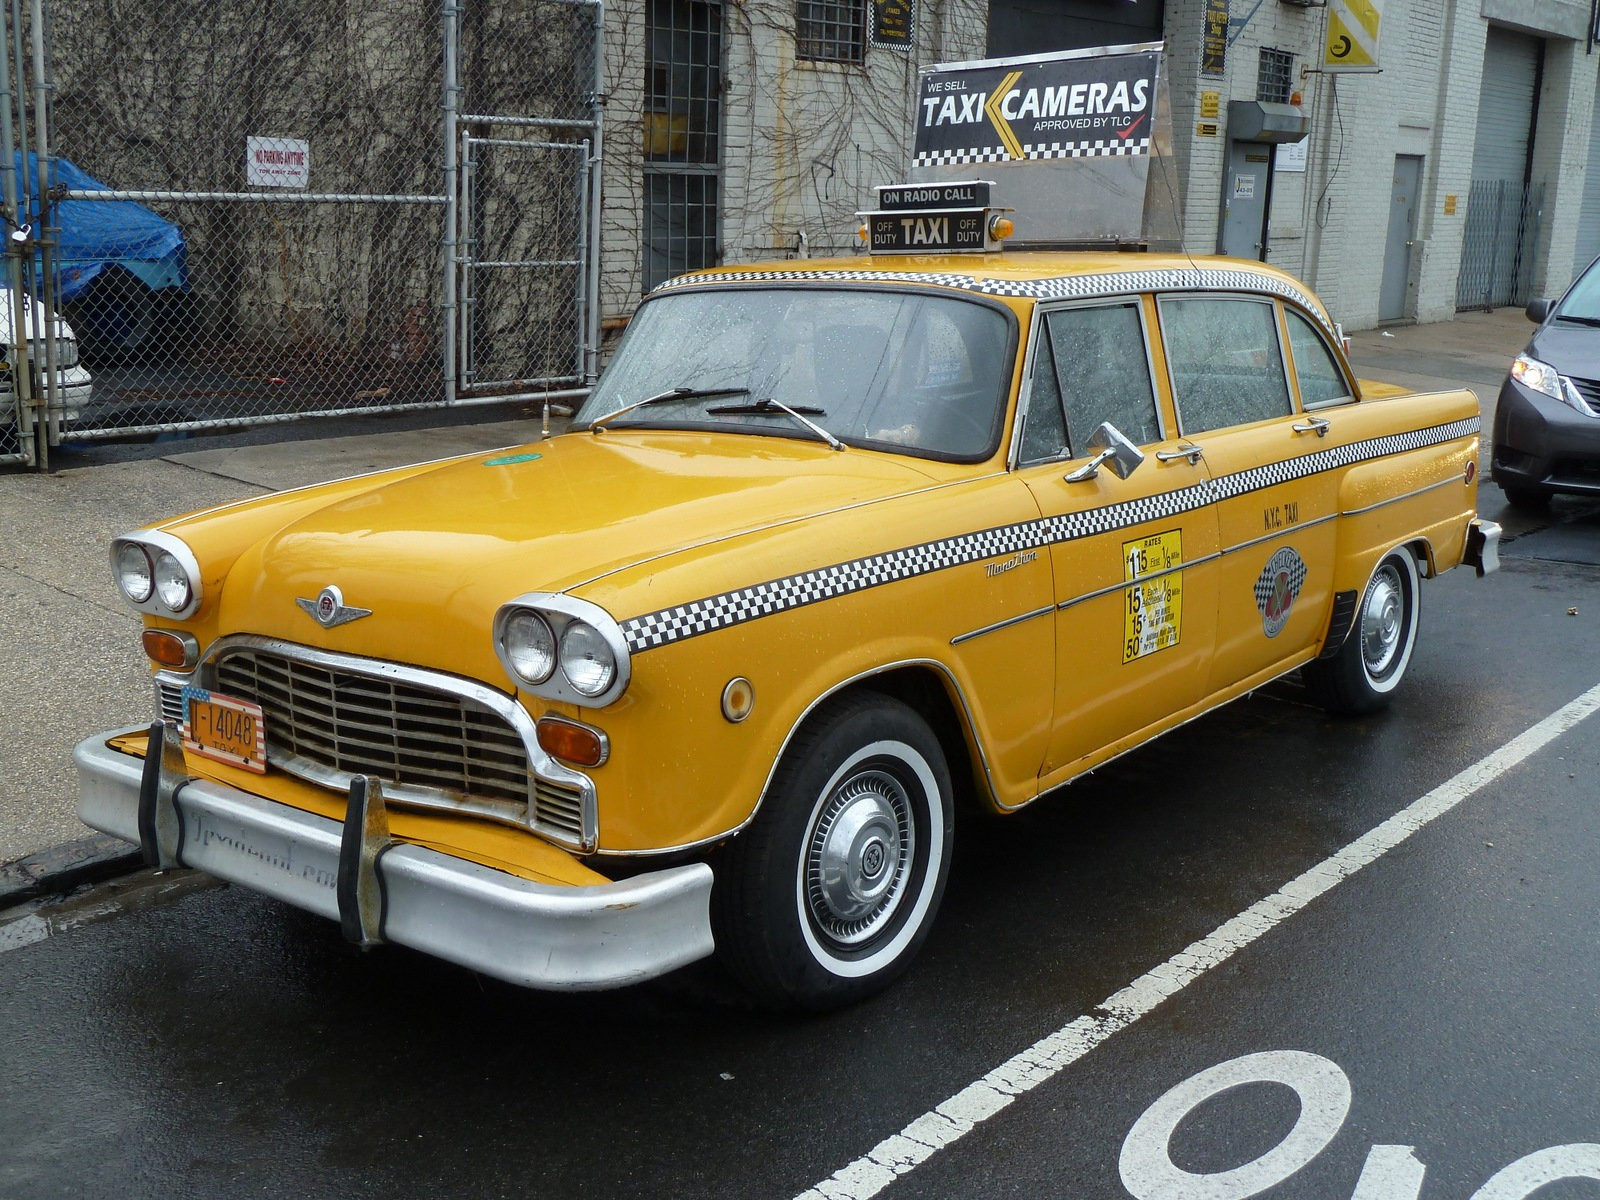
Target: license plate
point(225, 728)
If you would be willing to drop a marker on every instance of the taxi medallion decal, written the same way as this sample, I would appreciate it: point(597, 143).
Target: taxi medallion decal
point(329, 608)
point(1278, 587)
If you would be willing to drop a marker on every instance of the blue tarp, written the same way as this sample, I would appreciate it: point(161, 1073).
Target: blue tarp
point(96, 234)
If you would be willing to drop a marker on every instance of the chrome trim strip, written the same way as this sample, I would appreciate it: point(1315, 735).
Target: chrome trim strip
point(1114, 588)
point(999, 625)
point(1421, 491)
point(531, 934)
point(540, 763)
point(1279, 534)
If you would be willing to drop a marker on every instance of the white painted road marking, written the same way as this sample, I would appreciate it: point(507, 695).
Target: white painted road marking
point(924, 1137)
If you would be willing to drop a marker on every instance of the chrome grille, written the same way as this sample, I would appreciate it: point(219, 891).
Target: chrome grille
point(358, 725)
point(1589, 389)
point(427, 739)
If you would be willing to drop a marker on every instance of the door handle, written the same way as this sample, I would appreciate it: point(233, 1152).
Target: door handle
point(1185, 450)
point(1316, 425)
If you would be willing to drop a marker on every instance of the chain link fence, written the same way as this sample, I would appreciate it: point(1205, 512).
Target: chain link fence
point(263, 212)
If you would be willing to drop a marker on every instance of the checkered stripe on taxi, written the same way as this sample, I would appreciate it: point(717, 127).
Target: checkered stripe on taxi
point(683, 621)
point(1058, 287)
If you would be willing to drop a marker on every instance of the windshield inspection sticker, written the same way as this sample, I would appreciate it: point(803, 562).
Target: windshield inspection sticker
point(1153, 615)
point(1278, 587)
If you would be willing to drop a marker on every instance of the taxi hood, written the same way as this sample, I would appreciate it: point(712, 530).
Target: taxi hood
point(434, 551)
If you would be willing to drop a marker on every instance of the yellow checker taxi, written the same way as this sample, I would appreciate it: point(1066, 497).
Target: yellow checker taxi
point(833, 547)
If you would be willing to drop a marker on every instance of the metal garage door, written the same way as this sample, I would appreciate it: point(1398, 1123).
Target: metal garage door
point(1589, 214)
point(1502, 209)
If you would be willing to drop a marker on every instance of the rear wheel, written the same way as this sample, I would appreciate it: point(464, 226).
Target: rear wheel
point(831, 891)
point(1367, 669)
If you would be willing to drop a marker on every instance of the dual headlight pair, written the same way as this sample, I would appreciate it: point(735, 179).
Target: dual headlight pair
point(562, 648)
point(157, 574)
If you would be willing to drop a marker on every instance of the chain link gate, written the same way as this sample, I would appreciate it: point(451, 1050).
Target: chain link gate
point(260, 213)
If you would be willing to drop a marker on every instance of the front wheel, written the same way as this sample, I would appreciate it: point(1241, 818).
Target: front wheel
point(1365, 672)
point(829, 894)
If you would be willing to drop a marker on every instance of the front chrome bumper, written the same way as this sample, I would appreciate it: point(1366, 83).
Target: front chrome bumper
point(532, 934)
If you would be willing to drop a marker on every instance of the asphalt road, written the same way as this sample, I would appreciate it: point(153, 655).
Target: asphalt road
point(1420, 1021)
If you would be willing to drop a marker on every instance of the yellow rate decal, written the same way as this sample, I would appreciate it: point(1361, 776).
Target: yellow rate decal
point(1153, 613)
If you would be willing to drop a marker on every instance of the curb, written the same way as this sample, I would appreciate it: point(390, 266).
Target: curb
point(64, 867)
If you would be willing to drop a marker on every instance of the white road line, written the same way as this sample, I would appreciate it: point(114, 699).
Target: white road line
point(977, 1102)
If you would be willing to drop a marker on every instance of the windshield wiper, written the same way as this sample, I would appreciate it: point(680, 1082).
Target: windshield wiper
point(1592, 322)
point(769, 405)
point(677, 393)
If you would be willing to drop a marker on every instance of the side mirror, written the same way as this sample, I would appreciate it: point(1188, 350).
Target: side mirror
point(1112, 449)
point(1539, 309)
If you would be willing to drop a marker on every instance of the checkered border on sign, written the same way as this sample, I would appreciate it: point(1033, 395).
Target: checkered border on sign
point(685, 621)
point(1036, 152)
point(1055, 287)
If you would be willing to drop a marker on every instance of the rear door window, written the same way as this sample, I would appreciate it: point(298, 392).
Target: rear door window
point(1226, 365)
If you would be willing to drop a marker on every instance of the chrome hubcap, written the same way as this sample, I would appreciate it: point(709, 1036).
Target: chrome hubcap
point(857, 856)
point(1382, 621)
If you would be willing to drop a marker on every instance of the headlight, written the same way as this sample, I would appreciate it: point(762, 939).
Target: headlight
point(540, 631)
point(586, 660)
point(529, 646)
point(1546, 380)
point(172, 583)
point(135, 576)
point(157, 573)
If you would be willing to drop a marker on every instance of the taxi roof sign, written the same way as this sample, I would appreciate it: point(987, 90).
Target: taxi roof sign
point(973, 193)
point(934, 218)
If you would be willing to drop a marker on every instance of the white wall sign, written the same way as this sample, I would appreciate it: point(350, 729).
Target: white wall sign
point(277, 162)
point(1292, 155)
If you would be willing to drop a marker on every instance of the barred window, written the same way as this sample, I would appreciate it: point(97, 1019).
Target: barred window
point(1275, 76)
point(682, 137)
point(831, 30)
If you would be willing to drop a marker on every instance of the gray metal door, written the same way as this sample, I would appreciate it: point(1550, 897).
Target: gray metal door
point(1246, 185)
point(1402, 235)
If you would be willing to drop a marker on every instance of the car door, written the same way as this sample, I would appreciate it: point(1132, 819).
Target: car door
point(1242, 405)
point(1133, 559)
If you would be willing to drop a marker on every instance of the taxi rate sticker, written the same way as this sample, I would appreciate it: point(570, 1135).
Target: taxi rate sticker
point(1153, 613)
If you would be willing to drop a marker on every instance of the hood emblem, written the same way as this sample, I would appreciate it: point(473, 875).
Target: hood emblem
point(329, 608)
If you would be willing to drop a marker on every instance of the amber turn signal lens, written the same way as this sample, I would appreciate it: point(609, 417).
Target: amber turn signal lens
point(170, 649)
point(571, 742)
point(1001, 227)
point(861, 232)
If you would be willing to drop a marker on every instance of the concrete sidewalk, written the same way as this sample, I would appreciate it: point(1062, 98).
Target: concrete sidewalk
point(72, 660)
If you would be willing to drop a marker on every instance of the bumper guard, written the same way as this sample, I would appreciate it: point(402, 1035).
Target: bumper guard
point(528, 933)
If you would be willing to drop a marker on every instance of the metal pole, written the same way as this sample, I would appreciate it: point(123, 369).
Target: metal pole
point(451, 17)
point(50, 227)
point(21, 376)
point(591, 368)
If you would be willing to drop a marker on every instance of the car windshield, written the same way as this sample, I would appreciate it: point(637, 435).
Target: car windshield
point(896, 370)
point(1582, 301)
